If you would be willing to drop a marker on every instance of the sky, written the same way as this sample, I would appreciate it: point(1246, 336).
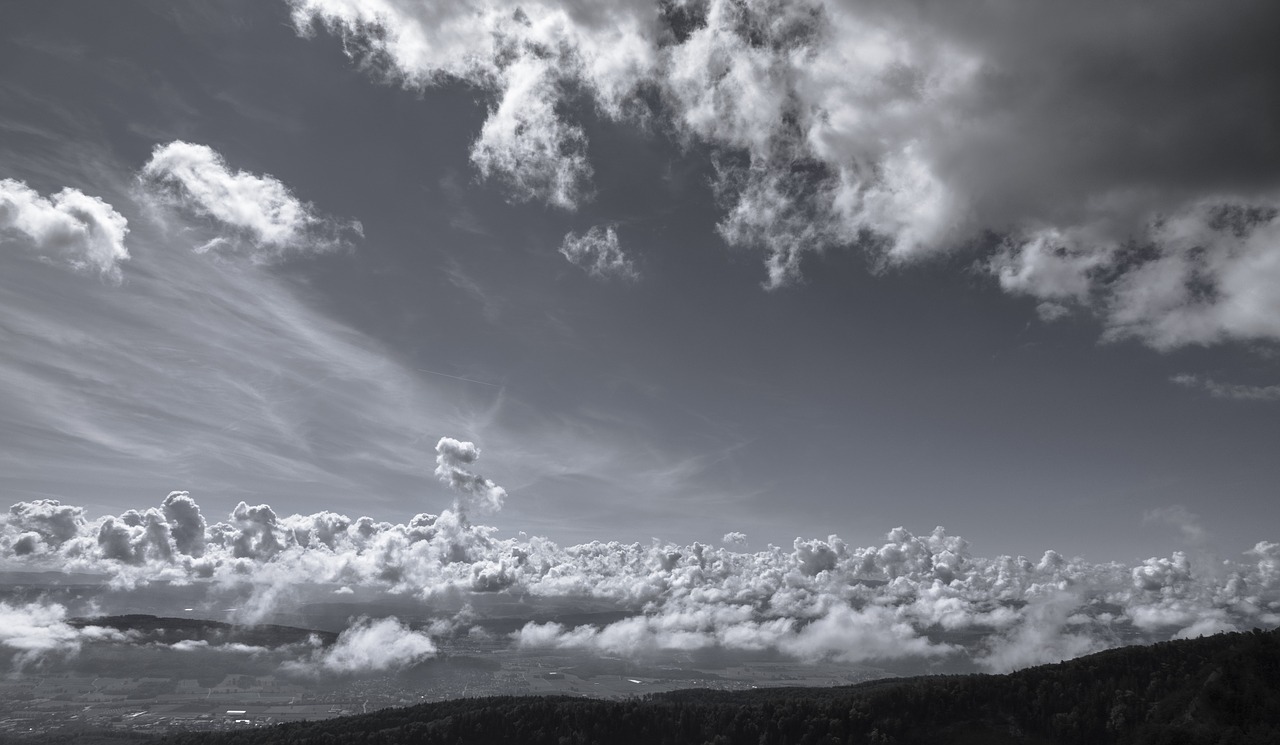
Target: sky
point(775, 267)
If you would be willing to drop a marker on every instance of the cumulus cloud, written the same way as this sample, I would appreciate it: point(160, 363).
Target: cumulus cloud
point(1120, 175)
point(818, 598)
point(69, 228)
point(53, 521)
point(597, 253)
point(368, 646)
point(453, 462)
point(530, 57)
point(734, 538)
point(251, 213)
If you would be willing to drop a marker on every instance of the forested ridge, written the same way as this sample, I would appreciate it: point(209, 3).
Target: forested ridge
point(1219, 690)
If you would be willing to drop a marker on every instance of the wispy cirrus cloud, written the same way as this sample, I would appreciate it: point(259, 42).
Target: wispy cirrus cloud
point(1232, 391)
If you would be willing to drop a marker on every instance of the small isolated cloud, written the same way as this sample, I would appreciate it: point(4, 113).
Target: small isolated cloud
point(68, 228)
point(453, 461)
point(368, 646)
point(1050, 311)
point(255, 214)
point(1186, 521)
point(734, 539)
point(1233, 391)
point(597, 252)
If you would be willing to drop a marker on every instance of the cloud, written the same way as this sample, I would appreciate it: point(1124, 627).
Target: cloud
point(1232, 391)
point(368, 646)
point(68, 228)
point(1052, 631)
point(53, 521)
point(453, 461)
point(533, 59)
point(1116, 173)
point(267, 391)
point(37, 630)
point(597, 253)
point(1179, 517)
point(186, 524)
point(735, 539)
point(255, 214)
point(816, 599)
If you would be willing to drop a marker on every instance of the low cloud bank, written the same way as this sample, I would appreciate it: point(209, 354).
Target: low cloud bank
point(911, 597)
point(34, 631)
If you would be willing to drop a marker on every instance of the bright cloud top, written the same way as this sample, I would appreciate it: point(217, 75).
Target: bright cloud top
point(909, 129)
point(912, 597)
point(476, 493)
point(368, 646)
point(68, 228)
point(250, 212)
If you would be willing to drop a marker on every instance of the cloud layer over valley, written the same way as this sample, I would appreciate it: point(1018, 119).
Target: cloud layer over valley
point(913, 597)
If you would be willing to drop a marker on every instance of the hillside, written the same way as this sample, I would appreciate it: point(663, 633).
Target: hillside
point(1223, 689)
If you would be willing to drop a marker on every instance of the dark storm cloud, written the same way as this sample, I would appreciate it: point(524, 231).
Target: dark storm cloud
point(1072, 133)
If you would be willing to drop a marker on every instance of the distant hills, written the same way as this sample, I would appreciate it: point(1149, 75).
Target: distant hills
point(1219, 690)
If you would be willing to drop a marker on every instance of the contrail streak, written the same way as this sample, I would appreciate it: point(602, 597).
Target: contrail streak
point(457, 377)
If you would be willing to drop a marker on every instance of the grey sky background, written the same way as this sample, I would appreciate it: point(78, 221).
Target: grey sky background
point(915, 384)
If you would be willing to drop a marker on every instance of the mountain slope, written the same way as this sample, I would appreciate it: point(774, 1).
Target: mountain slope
point(1221, 689)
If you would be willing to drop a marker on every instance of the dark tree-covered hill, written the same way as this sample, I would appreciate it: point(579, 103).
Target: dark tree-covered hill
point(1219, 690)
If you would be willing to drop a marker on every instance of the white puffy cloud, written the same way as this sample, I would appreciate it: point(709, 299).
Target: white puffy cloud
point(1122, 175)
point(528, 56)
point(257, 214)
point(69, 228)
point(453, 461)
point(597, 252)
point(53, 521)
point(368, 646)
point(186, 524)
point(815, 599)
